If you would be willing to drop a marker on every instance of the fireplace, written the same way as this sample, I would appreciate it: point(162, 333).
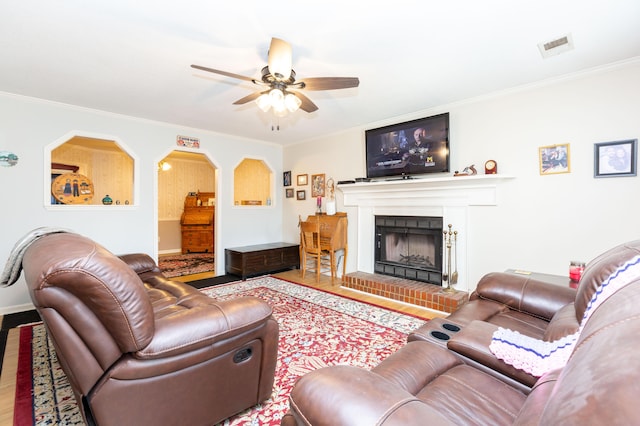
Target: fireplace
point(448, 197)
point(409, 247)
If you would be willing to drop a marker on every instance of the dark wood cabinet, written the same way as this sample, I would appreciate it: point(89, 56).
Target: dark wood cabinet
point(261, 259)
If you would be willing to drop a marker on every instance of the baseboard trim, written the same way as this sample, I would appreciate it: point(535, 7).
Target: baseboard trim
point(16, 308)
point(171, 251)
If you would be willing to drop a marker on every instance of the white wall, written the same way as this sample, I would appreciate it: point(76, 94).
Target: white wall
point(541, 223)
point(28, 125)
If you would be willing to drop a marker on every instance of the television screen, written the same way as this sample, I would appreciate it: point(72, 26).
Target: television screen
point(411, 148)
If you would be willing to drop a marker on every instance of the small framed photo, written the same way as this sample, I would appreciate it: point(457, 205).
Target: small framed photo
point(301, 194)
point(613, 159)
point(317, 185)
point(554, 159)
point(289, 192)
point(286, 178)
point(302, 180)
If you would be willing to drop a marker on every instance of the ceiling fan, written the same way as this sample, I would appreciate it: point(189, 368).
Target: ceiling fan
point(280, 90)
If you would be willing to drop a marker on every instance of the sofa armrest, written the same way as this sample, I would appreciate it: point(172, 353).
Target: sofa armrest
point(139, 262)
point(525, 294)
point(346, 395)
point(473, 342)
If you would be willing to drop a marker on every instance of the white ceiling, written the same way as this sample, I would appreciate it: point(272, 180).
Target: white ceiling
point(134, 58)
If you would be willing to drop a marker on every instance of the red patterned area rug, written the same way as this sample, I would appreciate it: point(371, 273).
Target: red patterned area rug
point(185, 264)
point(317, 329)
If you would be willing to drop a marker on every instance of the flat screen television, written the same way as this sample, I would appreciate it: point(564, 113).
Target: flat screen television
point(404, 150)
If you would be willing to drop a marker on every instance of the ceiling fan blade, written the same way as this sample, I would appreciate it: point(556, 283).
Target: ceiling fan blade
point(249, 98)
point(330, 83)
point(307, 105)
point(280, 61)
point(225, 73)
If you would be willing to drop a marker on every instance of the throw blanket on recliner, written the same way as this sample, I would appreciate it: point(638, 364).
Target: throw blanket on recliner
point(13, 267)
point(537, 357)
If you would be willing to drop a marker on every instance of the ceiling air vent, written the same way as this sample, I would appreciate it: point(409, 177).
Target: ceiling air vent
point(556, 46)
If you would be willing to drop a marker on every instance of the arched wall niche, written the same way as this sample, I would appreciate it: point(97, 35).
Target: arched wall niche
point(87, 170)
point(253, 183)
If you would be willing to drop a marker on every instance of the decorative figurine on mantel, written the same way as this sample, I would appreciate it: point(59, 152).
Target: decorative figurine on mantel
point(468, 171)
point(331, 200)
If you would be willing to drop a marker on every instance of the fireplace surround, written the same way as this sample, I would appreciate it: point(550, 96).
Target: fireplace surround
point(448, 197)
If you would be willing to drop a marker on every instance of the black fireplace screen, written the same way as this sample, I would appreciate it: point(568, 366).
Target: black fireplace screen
point(409, 247)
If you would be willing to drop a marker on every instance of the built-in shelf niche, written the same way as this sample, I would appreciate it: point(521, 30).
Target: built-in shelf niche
point(252, 183)
point(106, 162)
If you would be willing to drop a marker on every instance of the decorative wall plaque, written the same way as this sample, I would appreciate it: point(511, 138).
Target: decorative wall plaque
point(72, 188)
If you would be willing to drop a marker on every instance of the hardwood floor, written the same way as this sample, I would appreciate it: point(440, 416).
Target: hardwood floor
point(10, 363)
point(195, 277)
point(8, 377)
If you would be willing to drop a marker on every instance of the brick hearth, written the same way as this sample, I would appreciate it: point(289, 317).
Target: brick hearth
point(414, 292)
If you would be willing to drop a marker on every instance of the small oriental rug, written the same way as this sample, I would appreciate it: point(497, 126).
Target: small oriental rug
point(185, 264)
point(317, 329)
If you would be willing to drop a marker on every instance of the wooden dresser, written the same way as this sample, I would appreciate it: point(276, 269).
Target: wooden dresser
point(197, 223)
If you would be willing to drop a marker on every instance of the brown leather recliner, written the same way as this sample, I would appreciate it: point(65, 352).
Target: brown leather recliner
point(139, 349)
point(425, 383)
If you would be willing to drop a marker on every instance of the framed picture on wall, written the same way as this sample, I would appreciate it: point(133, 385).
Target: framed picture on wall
point(303, 180)
point(289, 192)
point(614, 159)
point(317, 185)
point(286, 178)
point(554, 159)
point(301, 194)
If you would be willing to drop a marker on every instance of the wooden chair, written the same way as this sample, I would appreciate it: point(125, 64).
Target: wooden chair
point(333, 239)
point(312, 256)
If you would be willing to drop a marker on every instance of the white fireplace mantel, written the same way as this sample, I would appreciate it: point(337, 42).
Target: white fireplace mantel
point(448, 197)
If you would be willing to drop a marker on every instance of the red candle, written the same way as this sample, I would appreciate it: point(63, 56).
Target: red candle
point(319, 201)
point(575, 270)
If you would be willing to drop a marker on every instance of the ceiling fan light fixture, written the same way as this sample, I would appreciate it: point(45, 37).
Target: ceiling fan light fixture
point(292, 102)
point(276, 96)
point(281, 103)
point(264, 102)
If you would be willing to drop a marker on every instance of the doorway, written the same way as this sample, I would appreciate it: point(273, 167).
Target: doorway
point(182, 175)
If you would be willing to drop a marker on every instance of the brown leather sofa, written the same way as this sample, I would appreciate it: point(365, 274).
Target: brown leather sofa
point(535, 308)
point(532, 307)
point(139, 349)
point(426, 383)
